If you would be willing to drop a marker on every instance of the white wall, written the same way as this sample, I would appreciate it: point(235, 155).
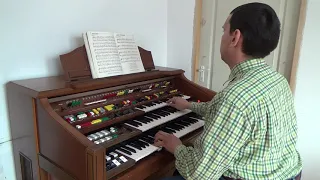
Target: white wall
point(34, 33)
point(307, 94)
point(180, 34)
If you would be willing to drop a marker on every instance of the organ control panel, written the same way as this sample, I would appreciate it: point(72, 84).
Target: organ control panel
point(100, 129)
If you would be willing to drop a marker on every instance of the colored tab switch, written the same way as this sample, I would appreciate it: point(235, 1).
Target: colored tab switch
point(105, 118)
point(96, 121)
point(173, 91)
point(120, 93)
point(95, 111)
point(109, 107)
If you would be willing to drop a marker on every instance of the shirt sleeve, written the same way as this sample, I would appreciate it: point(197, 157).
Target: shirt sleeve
point(199, 108)
point(225, 133)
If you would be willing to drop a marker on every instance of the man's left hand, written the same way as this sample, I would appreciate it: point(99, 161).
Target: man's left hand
point(166, 140)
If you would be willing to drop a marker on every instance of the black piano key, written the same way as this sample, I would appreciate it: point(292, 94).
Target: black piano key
point(129, 149)
point(170, 131)
point(133, 123)
point(167, 109)
point(175, 127)
point(167, 112)
point(141, 144)
point(142, 120)
point(179, 125)
point(182, 125)
point(152, 116)
point(151, 139)
point(166, 130)
point(185, 123)
point(164, 112)
point(147, 140)
point(124, 150)
point(147, 119)
point(172, 126)
point(191, 120)
point(144, 143)
point(159, 114)
point(188, 123)
point(173, 130)
point(135, 145)
point(152, 133)
point(139, 124)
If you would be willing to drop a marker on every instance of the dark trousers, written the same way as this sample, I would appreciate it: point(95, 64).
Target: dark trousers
point(177, 176)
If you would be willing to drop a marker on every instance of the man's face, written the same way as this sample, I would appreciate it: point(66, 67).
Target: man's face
point(225, 40)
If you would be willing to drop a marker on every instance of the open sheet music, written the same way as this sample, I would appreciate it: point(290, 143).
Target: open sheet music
point(112, 54)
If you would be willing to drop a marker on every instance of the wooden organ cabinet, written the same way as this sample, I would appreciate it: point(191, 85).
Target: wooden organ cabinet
point(75, 127)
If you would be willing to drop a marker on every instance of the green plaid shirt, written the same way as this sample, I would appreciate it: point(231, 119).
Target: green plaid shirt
point(250, 129)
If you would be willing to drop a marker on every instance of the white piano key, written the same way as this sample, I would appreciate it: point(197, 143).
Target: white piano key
point(158, 106)
point(139, 154)
point(186, 130)
point(161, 120)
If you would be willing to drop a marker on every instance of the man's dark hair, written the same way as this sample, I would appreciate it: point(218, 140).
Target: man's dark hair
point(259, 26)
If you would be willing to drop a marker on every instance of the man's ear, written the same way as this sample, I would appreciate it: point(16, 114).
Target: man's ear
point(236, 35)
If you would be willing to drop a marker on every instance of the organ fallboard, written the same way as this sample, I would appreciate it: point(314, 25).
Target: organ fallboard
point(75, 127)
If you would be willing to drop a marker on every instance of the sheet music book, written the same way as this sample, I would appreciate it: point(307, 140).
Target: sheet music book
point(112, 54)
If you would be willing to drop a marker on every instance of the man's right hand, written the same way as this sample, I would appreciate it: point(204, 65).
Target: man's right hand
point(179, 103)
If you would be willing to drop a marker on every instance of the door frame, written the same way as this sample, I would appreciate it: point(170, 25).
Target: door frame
point(197, 35)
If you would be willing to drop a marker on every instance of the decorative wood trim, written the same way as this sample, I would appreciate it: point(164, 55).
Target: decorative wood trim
point(44, 175)
point(36, 134)
point(296, 55)
point(196, 39)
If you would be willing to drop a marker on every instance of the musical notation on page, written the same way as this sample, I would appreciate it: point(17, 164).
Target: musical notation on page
point(129, 53)
point(105, 53)
point(112, 54)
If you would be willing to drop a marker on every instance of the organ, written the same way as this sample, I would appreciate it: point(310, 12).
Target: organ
point(75, 127)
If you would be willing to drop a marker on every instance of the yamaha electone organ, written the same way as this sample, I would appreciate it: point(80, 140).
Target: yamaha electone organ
point(76, 127)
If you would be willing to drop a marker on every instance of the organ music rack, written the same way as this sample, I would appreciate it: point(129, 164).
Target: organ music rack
point(48, 144)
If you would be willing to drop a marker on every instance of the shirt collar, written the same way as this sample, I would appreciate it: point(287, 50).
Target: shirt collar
point(245, 66)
